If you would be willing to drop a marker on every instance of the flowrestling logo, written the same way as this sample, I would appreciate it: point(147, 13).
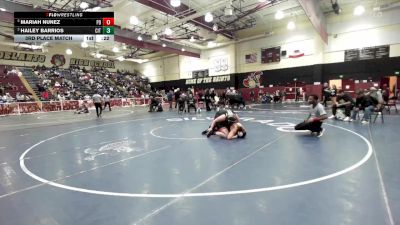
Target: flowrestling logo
point(280, 126)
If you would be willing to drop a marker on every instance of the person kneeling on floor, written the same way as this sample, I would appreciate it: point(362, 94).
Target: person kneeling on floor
point(83, 109)
point(346, 102)
point(155, 104)
point(315, 118)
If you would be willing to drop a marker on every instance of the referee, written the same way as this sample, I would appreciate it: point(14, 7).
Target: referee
point(97, 99)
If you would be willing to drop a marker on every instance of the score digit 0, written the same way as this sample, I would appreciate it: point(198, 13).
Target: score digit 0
point(108, 21)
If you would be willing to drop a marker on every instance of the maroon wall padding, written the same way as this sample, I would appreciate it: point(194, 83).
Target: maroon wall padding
point(363, 86)
point(308, 89)
point(398, 83)
point(350, 90)
point(246, 91)
point(314, 90)
point(384, 82)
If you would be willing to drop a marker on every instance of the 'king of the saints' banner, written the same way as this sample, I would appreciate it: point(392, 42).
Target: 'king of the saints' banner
point(208, 80)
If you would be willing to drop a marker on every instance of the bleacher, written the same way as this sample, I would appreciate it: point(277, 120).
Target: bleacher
point(130, 82)
point(11, 82)
point(119, 84)
point(31, 78)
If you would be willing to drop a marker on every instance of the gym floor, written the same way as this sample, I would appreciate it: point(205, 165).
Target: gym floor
point(134, 167)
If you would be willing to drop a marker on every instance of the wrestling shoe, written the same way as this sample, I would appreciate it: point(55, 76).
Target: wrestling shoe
point(319, 134)
point(204, 132)
point(364, 122)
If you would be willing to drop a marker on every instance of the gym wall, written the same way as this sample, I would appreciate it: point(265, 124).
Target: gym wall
point(321, 62)
point(54, 49)
point(181, 67)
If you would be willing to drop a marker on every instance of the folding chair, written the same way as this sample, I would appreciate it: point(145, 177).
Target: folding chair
point(391, 103)
point(378, 112)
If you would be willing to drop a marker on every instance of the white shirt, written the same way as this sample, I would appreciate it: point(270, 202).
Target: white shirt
point(317, 111)
point(96, 98)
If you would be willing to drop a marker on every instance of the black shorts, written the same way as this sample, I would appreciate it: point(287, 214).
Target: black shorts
point(221, 125)
point(220, 112)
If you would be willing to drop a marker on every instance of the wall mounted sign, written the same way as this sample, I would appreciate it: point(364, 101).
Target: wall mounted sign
point(253, 80)
point(251, 58)
point(208, 80)
point(58, 60)
point(377, 52)
point(220, 64)
point(93, 63)
point(200, 73)
point(270, 55)
point(25, 57)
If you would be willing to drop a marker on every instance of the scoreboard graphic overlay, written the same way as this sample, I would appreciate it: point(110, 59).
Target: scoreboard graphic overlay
point(63, 26)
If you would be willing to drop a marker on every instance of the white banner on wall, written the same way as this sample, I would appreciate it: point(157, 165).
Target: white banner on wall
point(298, 49)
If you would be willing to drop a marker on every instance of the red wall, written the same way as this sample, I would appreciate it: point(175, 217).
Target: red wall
point(398, 83)
point(351, 84)
point(363, 86)
point(309, 89)
point(246, 91)
point(314, 90)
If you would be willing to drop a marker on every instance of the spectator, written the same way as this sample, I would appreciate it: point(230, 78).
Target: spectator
point(107, 101)
point(347, 104)
point(366, 103)
point(252, 95)
point(326, 94)
point(177, 95)
point(169, 98)
point(207, 97)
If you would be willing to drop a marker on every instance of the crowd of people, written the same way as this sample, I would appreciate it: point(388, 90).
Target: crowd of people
point(96, 81)
point(191, 98)
point(53, 85)
point(6, 98)
point(345, 108)
point(57, 84)
point(107, 85)
point(131, 83)
point(277, 97)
